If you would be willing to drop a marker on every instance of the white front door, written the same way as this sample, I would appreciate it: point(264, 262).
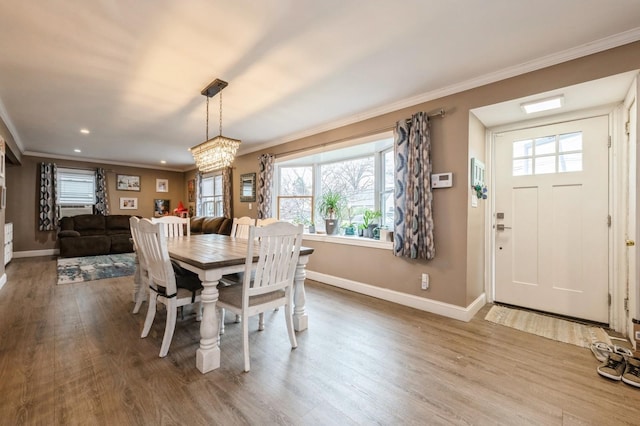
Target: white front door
point(551, 218)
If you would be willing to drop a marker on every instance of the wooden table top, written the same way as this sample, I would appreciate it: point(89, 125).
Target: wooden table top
point(210, 251)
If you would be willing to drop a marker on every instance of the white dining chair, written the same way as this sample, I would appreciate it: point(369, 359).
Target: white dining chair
point(174, 226)
point(141, 277)
point(168, 283)
point(266, 221)
point(271, 286)
point(240, 227)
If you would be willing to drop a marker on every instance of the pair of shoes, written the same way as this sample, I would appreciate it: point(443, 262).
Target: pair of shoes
point(602, 351)
point(613, 367)
point(631, 375)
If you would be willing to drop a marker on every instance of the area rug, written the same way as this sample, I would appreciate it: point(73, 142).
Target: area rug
point(90, 268)
point(548, 326)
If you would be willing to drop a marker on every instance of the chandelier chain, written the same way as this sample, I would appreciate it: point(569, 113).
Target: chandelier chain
point(220, 113)
point(207, 135)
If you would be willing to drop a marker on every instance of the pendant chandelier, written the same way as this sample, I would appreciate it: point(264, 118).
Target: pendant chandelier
point(220, 151)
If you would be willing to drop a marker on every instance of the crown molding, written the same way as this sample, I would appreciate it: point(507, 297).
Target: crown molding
point(100, 161)
point(4, 115)
point(603, 44)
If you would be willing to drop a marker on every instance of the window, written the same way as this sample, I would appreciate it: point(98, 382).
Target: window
point(76, 187)
point(212, 195)
point(548, 154)
point(362, 173)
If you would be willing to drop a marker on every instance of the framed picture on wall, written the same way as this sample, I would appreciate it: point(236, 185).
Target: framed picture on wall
point(3, 198)
point(162, 185)
point(248, 187)
point(191, 190)
point(127, 203)
point(161, 207)
point(127, 183)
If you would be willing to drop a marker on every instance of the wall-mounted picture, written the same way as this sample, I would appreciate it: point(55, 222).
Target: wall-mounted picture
point(161, 208)
point(191, 190)
point(128, 203)
point(162, 185)
point(248, 187)
point(127, 183)
point(3, 198)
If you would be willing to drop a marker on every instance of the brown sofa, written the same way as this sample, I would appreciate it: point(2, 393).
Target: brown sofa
point(92, 235)
point(211, 225)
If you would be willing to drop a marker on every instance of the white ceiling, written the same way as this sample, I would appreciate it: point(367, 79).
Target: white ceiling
point(132, 72)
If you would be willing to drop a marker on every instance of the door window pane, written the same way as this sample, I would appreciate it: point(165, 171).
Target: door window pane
point(545, 165)
point(522, 167)
point(546, 145)
point(570, 142)
point(522, 148)
point(570, 162)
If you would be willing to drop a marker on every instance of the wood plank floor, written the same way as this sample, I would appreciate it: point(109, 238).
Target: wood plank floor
point(72, 355)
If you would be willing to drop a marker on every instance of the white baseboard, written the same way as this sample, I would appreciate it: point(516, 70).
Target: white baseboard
point(36, 253)
point(421, 303)
point(3, 280)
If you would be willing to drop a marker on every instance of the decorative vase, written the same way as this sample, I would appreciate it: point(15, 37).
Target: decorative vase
point(370, 230)
point(312, 229)
point(331, 225)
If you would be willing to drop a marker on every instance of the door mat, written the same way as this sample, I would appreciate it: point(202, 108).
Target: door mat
point(91, 268)
point(548, 326)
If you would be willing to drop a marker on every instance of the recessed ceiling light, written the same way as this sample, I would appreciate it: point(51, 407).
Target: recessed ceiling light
point(543, 104)
point(163, 161)
point(76, 150)
point(85, 131)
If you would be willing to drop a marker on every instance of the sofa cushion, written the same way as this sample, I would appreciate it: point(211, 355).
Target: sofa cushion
point(117, 222)
point(85, 246)
point(212, 225)
point(121, 243)
point(196, 224)
point(89, 224)
point(63, 234)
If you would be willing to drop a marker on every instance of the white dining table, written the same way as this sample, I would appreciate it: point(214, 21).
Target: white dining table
point(211, 256)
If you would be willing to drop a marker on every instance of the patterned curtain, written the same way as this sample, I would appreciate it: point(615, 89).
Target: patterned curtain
point(226, 192)
point(102, 198)
point(198, 193)
point(265, 184)
point(48, 211)
point(413, 228)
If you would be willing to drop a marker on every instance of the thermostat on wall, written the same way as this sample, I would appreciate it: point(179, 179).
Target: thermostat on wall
point(442, 180)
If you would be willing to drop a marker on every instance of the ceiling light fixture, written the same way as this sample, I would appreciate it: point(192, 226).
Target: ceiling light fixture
point(77, 150)
point(85, 131)
point(219, 152)
point(543, 104)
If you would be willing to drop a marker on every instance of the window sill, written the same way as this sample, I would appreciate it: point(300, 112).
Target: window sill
point(349, 240)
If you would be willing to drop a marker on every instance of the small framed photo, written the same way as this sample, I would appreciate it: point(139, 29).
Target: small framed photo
point(127, 203)
point(161, 208)
point(191, 190)
point(127, 183)
point(3, 200)
point(162, 185)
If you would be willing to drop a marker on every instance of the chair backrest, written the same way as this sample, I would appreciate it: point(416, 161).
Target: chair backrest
point(265, 222)
point(174, 226)
point(153, 244)
point(133, 224)
point(278, 252)
point(240, 227)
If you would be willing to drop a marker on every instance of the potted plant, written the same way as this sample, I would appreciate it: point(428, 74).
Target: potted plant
point(330, 206)
point(368, 224)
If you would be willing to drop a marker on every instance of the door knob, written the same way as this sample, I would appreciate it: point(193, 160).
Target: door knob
point(630, 243)
point(501, 227)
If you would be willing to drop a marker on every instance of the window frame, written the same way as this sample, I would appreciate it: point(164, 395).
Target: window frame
point(307, 159)
point(68, 171)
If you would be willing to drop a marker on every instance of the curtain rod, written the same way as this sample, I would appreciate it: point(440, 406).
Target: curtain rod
point(439, 113)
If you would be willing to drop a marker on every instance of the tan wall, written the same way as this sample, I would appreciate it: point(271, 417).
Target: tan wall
point(475, 215)
point(22, 197)
point(453, 279)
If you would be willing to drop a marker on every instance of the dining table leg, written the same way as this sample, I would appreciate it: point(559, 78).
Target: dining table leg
point(300, 318)
point(208, 354)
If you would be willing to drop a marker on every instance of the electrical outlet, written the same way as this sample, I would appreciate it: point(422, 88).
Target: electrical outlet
point(425, 281)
